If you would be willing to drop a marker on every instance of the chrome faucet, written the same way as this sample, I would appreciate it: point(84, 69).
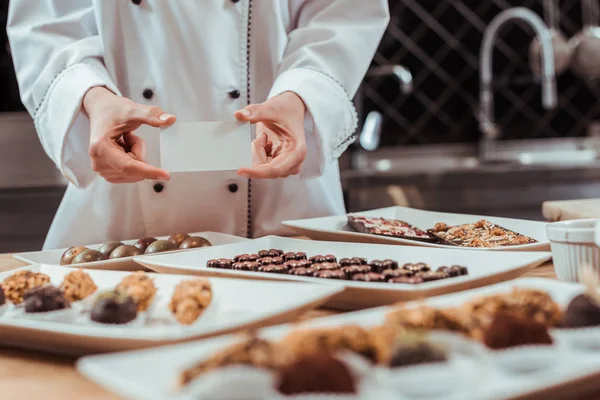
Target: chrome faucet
point(487, 123)
point(370, 135)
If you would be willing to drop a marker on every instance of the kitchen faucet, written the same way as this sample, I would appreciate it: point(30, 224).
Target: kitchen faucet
point(487, 125)
point(370, 134)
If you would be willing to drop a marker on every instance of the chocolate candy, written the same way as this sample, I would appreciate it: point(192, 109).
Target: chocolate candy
point(330, 274)
point(275, 253)
point(212, 263)
point(358, 261)
point(277, 260)
point(300, 255)
point(273, 269)
point(458, 270)
point(352, 270)
point(394, 273)
point(265, 261)
point(245, 266)
point(344, 262)
point(291, 264)
point(376, 266)
point(317, 259)
point(369, 277)
point(302, 271)
point(418, 267)
point(304, 263)
point(319, 373)
point(253, 257)
point(291, 256)
point(389, 264)
point(330, 258)
point(44, 299)
point(263, 253)
point(241, 258)
point(225, 263)
point(114, 308)
point(429, 276)
point(406, 279)
point(325, 266)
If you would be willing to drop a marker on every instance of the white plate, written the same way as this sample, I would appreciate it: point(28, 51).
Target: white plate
point(485, 268)
point(336, 228)
point(236, 305)
point(52, 257)
point(151, 374)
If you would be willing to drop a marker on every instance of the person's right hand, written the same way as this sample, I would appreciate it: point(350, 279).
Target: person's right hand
point(118, 155)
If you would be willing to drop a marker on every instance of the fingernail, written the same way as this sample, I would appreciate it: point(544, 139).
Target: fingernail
point(165, 117)
point(246, 113)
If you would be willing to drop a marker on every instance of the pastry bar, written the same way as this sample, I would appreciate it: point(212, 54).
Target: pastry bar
point(190, 299)
point(479, 234)
point(388, 227)
point(140, 287)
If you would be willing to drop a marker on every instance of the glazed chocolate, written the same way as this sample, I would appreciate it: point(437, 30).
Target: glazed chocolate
point(358, 261)
point(406, 279)
point(417, 267)
point(301, 271)
point(344, 262)
point(325, 266)
point(330, 258)
point(44, 299)
point(317, 259)
point(300, 255)
point(241, 258)
point(245, 266)
point(388, 227)
point(275, 253)
point(389, 264)
point(458, 270)
point(394, 273)
point(212, 263)
point(265, 261)
point(432, 276)
point(277, 260)
point(319, 373)
point(225, 263)
point(304, 263)
point(273, 269)
point(253, 257)
point(369, 277)
point(290, 256)
point(291, 264)
point(114, 308)
point(330, 274)
point(582, 311)
point(263, 253)
point(376, 266)
point(352, 270)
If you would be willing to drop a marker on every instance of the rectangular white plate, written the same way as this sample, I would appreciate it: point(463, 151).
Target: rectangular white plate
point(52, 257)
point(236, 305)
point(485, 268)
point(151, 374)
point(206, 146)
point(336, 228)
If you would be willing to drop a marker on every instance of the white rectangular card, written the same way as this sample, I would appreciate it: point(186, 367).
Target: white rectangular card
point(206, 146)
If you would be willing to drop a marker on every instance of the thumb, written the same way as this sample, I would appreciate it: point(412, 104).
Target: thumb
point(151, 115)
point(256, 113)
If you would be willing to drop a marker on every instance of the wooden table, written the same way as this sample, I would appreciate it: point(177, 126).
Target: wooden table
point(28, 375)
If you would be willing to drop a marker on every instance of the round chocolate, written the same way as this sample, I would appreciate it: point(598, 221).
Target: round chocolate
point(582, 311)
point(108, 248)
point(330, 274)
point(291, 256)
point(301, 271)
point(114, 308)
point(143, 243)
point(326, 266)
point(376, 266)
point(304, 263)
point(212, 263)
point(300, 255)
point(432, 276)
point(225, 263)
point(277, 260)
point(317, 259)
point(245, 266)
point(275, 252)
point(253, 257)
point(352, 270)
point(263, 253)
point(406, 279)
point(330, 258)
point(459, 270)
point(344, 262)
point(319, 373)
point(273, 269)
point(44, 299)
point(194, 242)
point(358, 261)
point(389, 264)
point(508, 330)
point(291, 264)
point(369, 277)
point(394, 273)
point(418, 267)
point(419, 352)
point(265, 261)
point(241, 258)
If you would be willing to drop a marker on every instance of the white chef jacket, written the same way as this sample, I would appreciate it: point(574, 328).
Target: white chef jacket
point(200, 60)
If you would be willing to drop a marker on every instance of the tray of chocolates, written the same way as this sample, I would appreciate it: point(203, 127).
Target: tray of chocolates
point(118, 255)
point(409, 226)
point(80, 311)
point(371, 274)
point(528, 338)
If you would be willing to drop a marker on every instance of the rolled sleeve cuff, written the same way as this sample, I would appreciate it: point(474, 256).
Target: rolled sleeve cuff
point(62, 126)
point(331, 121)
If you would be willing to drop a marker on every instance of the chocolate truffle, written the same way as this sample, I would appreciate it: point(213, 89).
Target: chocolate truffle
point(212, 263)
point(352, 270)
point(241, 258)
point(190, 299)
point(301, 271)
point(245, 266)
point(325, 266)
point(140, 287)
point(77, 285)
point(273, 269)
point(376, 266)
point(114, 308)
point(508, 330)
point(330, 274)
point(389, 264)
point(45, 298)
point(581, 312)
point(416, 351)
point(406, 279)
point(430, 276)
point(263, 253)
point(319, 373)
point(317, 259)
point(394, 273)
point(2, 297)
point(369, 277)
point(418, 267)
point(344, 262)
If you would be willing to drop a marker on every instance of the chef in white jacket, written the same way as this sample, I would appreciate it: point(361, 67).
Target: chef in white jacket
point(100, 77)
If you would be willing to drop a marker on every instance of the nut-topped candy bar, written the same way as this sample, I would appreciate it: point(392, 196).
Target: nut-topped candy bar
point(355, 269)
point(388, 227)
point(482, 233)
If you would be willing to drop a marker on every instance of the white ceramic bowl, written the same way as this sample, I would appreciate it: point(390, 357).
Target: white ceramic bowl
point(574, 244)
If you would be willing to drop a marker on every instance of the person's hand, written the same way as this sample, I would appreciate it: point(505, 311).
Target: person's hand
point(118, 155)
point(280, 145)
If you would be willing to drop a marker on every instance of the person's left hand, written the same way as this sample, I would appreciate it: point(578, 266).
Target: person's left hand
point(280, 145)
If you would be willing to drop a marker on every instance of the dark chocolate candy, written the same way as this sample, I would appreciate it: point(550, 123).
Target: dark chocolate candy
point(330, 258)
point(245, 266)
point(459, 270)
point(263, 253)
point(241, 258)
point(406, 279)
point(325, 266)
point(291, 264)
point(394, 273)
point(432, 276)
point(114, 308)
point(352, 270)
point(317, 259)
point(389, 264)
point(304, 263)
point(291, 256)
point(273, 269)
point(418, 267)
point(582, 311)
point(45, 298)
point(277, 260)
point(275, 253)
point(265, 261)
point(330, 274)
point(212, 263)
point(302, 271)
point(344, 262)
point(319, 373)
point(508, 330)
point(358, 261)
point(369, 277)
point(253, 257)
point(301, 255)
point(419, 352)
point(376, 266)
point(225, 263)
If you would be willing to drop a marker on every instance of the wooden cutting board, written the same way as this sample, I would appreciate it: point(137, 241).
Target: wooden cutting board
point(571, 209)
